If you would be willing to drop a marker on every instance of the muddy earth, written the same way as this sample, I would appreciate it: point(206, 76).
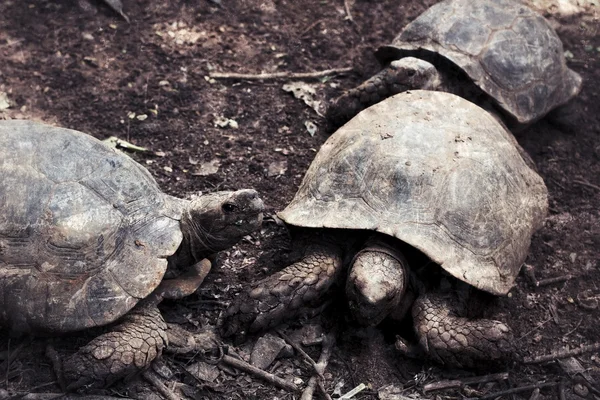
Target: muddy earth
point(79, 65)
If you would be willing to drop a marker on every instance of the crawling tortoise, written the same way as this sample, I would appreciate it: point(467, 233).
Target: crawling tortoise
point(420, 172)
point(496, 53)
point(86, 236)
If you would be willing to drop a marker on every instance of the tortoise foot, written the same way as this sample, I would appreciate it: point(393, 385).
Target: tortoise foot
point(458, 341)
point(284, 294)
point(121, 353)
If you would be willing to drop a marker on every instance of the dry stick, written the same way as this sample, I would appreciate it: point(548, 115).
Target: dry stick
point(304, 32)
point(457, 383)
point(298, 349)
point(328, 343)
point(556, 355)
point(151, 377)
point(244, 366)
point(280, 75)
point(517, 390)
point(550, 281)
point(347, 9)
point(586, 183)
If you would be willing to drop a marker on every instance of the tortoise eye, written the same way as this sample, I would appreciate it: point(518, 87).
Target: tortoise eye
point(229, 208)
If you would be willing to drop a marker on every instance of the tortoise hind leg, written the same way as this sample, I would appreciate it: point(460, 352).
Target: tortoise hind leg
point(137, 340)
point(458, 341)
point(284, 294)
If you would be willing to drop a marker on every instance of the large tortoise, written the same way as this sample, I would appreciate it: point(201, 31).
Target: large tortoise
point(86, 236)
point(421, 170)
point(488, 51)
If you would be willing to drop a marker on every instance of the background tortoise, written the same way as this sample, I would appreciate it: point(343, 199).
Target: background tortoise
point(498, 50)
point(420, 170)
point(86, 235)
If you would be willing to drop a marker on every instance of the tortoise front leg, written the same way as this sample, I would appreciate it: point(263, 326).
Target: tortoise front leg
point(284, 294)
point(137, 340)
point(398, 76)
point(457, 341)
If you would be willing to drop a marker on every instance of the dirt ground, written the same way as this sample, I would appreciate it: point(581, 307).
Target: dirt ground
point(79, 65)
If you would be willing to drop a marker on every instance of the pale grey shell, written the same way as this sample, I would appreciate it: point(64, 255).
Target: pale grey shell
point(436, 172)
point(508, 50)
point(84, 230)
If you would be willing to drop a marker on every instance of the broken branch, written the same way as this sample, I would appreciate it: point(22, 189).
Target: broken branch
point(280, 75)
point(556, 355)
point(313, 383)
point(151, 377)
point(458, 383)
point(244, 366)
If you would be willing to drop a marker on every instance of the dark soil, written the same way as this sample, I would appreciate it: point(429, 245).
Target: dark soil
point(80, 66)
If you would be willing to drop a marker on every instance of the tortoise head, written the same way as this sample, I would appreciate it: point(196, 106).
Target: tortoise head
point(216, 221)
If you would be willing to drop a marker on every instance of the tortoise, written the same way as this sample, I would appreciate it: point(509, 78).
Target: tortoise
point(422, 172)
point(86, 236)
point(499, 54)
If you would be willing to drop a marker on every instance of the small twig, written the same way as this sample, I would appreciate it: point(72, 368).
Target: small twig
point(535, 329)
point(556, 355)
point(540, 385)
point(347, 9)
point(550, 281)
point(244, 366)
point(574, 329)
point(586, 183)
point(151, 377)
point(299, 349)
point(353, 392)
point(328, 343)
point(280, 75)
point(311, 26)
point(457, 383)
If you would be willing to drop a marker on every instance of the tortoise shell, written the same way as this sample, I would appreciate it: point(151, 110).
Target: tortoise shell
point(436, 172)
point(508, 50)
point(84, 230)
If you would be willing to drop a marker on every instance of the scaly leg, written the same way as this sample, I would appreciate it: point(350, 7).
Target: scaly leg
point(135, 341)
point(284, 294)
point(458, 341)
point(399, 76)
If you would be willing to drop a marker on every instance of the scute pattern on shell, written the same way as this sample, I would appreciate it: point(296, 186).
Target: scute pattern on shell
point(84, 230)
point(507, 49)
point(436, 172)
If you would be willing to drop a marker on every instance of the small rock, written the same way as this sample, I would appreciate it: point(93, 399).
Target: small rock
point(308, 334)
point(87, 36)
point(266, 350)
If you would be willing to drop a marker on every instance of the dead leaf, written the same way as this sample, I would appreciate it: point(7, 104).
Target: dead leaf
point(223, 122)
point(304, 92)
point(310, 127)
point(208, 168)
point(277, 168)
point(4, 101)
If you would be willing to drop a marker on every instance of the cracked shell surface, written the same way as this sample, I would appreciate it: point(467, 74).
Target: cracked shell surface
point(436, 172)
point(84, 230)
point(508, 50)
